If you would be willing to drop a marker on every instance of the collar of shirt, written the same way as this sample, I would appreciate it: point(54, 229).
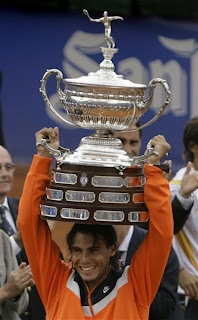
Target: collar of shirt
point(8, 213)
point(5, 203)
point(125, 242)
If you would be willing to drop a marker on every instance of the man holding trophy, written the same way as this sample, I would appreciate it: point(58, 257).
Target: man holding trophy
point(92, 188)
point(92, 288)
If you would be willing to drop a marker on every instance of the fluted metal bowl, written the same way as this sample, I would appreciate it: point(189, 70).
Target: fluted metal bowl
point(103, 100)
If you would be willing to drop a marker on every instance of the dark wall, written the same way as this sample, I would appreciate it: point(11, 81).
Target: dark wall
point(2, 141)
point(178, 9)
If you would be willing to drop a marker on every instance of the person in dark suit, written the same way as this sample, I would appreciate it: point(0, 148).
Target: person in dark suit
point(166, 303)
point(165, 306)
point(132, 144)
point(9, 207)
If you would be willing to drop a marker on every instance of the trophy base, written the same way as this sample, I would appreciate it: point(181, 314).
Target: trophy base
point(91, 194)
point(103, 150)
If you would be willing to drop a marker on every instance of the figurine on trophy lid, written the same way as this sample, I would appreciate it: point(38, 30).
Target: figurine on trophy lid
point(99, 182)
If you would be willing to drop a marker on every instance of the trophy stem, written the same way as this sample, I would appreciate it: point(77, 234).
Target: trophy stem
point(101, 133)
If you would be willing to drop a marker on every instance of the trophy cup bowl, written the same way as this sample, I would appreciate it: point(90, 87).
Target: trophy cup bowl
point(103, 100)
point(99, 182)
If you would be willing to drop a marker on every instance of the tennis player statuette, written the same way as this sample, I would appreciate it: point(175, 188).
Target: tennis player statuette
point(99, 182)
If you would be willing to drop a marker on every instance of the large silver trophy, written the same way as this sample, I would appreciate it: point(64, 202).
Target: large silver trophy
point(99, 182)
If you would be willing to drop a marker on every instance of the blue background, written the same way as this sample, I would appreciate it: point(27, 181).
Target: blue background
point(31, 43)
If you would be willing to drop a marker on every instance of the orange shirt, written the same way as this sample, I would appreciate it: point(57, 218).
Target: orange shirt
point(135, 289)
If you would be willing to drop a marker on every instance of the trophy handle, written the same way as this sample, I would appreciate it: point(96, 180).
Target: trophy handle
point(56, 153)
point(152, 85)
point(61, 94)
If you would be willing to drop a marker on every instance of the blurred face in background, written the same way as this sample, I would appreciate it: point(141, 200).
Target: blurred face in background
point(132, 144)
point(6, 173)
point(131, 141)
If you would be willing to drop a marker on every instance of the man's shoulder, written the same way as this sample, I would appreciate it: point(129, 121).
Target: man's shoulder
point(137, 237)
point(12, 200)
point(3, 236)
point(140, 231)
point(13, 204)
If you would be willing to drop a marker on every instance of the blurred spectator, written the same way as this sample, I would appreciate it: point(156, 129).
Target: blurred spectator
point(185, 186)
point(8, 212)
point(132, 142)
point(13, 281)
point(166, 304)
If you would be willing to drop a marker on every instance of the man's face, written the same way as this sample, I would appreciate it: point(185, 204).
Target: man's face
point(91, 260)
point(131, 141)
point(6, 175)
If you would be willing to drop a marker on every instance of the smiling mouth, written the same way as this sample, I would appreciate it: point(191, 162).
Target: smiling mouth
point(86, 269)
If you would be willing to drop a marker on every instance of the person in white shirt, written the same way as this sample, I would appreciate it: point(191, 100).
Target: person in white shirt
point(185, 185)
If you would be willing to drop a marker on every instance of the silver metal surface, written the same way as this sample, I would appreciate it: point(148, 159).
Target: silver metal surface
point(80, 196)
point(104, 102)
point(104, 152)
point(106, 20)
point(75, 214)
point(107, 215)
point(48, 211)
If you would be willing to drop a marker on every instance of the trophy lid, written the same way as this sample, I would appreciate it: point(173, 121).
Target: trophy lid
point(105, 76)
point(97, 80)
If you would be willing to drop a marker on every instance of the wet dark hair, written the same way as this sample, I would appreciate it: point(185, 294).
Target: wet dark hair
point(104, 232)
point(139, 125)
point(190, 137)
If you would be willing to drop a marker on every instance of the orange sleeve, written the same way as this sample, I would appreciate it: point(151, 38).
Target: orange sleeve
point(150, 259)
point(42, 252)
